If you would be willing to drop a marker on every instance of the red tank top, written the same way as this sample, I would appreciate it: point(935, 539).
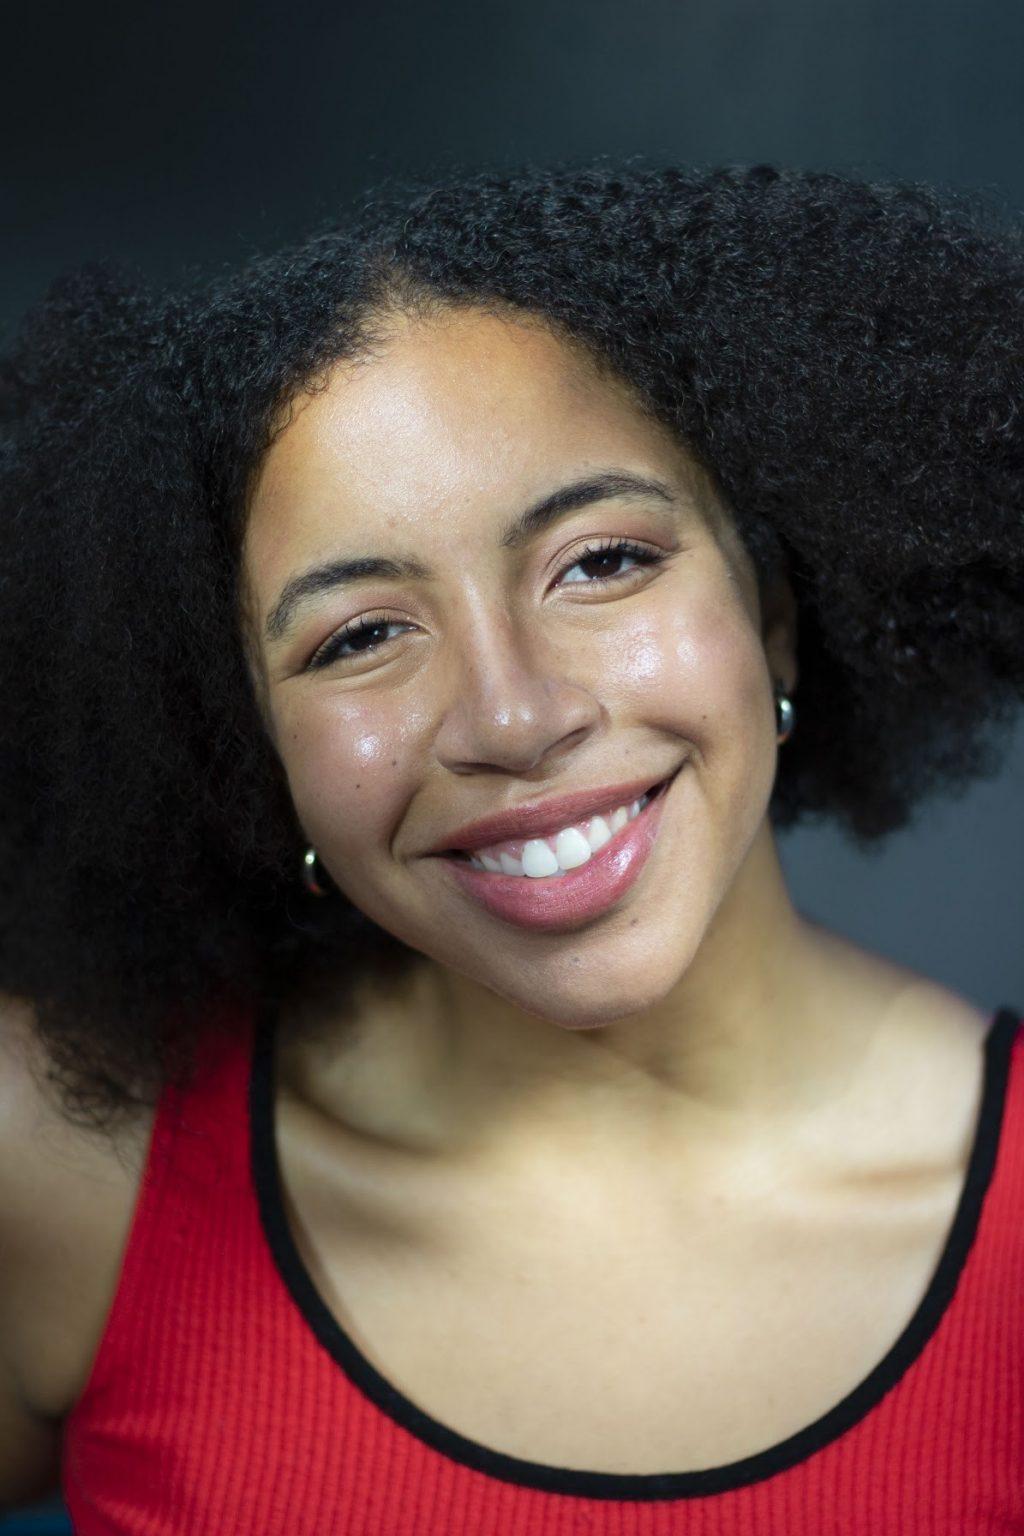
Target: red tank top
point(225, 1399)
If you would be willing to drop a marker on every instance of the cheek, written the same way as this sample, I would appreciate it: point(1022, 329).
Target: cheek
point(347, 768)
point(723, 673)
point(695, 662)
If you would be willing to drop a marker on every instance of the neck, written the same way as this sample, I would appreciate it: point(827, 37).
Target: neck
point(744, 1055)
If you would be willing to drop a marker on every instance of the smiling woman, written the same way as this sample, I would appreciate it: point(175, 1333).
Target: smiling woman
point(413, 645)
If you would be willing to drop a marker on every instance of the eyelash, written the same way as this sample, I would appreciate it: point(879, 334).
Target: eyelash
point(331, 649)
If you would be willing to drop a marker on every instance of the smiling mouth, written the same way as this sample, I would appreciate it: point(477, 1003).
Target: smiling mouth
point(567, 848)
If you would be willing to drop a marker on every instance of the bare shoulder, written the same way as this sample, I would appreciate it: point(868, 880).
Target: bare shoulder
point(870, 985)
point(923, 1065)
point(67, 1195)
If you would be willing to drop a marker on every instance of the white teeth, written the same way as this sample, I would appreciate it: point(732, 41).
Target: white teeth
point(598, 833)
point(573, 846)
point(538, 859)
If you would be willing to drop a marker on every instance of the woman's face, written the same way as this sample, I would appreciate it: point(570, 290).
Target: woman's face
point(614, 642)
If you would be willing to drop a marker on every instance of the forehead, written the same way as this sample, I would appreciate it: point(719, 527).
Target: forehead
point(462, 410)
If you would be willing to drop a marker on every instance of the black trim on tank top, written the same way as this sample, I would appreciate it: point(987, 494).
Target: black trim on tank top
point(614, 1485)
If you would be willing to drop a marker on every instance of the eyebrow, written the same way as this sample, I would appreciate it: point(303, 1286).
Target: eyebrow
point(568, 498)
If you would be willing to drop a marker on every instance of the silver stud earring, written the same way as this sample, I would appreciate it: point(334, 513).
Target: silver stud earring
point(309, 878)
point(785, 714)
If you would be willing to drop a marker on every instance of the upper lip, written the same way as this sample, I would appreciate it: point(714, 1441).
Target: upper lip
point(542, 816)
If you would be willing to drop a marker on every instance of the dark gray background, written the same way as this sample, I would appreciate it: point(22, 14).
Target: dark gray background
point(192, 135)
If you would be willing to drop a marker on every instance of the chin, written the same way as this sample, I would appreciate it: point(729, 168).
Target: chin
point(570, 1004)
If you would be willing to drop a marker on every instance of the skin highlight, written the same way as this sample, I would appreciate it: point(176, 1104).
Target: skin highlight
point(702, 1017)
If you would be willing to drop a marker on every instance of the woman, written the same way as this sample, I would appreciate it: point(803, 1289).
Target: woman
point(413, 645)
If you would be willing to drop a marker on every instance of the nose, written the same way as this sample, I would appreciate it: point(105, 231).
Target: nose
point(512, 706)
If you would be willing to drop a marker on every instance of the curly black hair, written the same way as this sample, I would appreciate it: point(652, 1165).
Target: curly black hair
point(842, 356)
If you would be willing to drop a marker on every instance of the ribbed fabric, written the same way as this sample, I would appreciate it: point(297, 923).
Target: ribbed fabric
point(225, 1400)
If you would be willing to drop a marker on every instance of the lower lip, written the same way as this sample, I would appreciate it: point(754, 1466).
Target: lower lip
point(556, 903)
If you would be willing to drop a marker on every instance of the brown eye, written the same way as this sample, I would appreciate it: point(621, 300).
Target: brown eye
point(603, 557)
point(365, 636)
